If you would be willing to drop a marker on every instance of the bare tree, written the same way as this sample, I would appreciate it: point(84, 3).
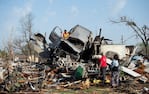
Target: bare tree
point(8, 46)
point(26, 27)
point(142, 32)
point(19, 46)
point(23, 43)
point(3, 54)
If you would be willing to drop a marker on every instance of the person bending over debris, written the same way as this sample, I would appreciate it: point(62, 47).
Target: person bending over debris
point(65, 34)
point(102, 67)
point(115, 71)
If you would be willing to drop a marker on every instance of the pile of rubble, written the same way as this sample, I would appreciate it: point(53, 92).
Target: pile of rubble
point(35, 77)
point(72, 64)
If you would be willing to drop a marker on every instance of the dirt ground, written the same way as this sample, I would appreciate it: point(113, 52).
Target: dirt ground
point(124, 88)
point(91, 90)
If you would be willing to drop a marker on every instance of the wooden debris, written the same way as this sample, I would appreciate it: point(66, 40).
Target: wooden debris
point(86, 84)
point(69, 84)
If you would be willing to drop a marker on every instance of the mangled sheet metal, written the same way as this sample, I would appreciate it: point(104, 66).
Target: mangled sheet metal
point(40, 45)
point(76, 43)
point(77, 40)
point(54, 37)
point(81, 34)
point(39, 42)
point(68, 46)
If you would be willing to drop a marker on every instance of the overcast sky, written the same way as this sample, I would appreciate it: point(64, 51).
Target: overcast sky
point(92, 14)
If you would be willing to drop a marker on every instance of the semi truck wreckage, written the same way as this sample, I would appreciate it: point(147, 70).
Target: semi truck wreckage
point(69, 61)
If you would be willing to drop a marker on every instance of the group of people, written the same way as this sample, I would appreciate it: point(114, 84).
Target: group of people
point(103, 66)
point(114, 69)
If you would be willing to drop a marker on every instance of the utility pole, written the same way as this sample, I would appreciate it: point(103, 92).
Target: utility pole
point(122, 39)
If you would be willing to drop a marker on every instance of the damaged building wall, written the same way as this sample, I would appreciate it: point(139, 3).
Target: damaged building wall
point(120, 50)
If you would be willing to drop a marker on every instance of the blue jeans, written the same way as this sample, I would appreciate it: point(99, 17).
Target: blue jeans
point(115, 78)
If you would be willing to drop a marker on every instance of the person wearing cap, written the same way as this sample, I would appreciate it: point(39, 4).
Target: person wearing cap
point(65, 34)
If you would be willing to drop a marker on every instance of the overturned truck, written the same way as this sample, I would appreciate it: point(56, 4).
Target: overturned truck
point(76, 48)
point(80, 48)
